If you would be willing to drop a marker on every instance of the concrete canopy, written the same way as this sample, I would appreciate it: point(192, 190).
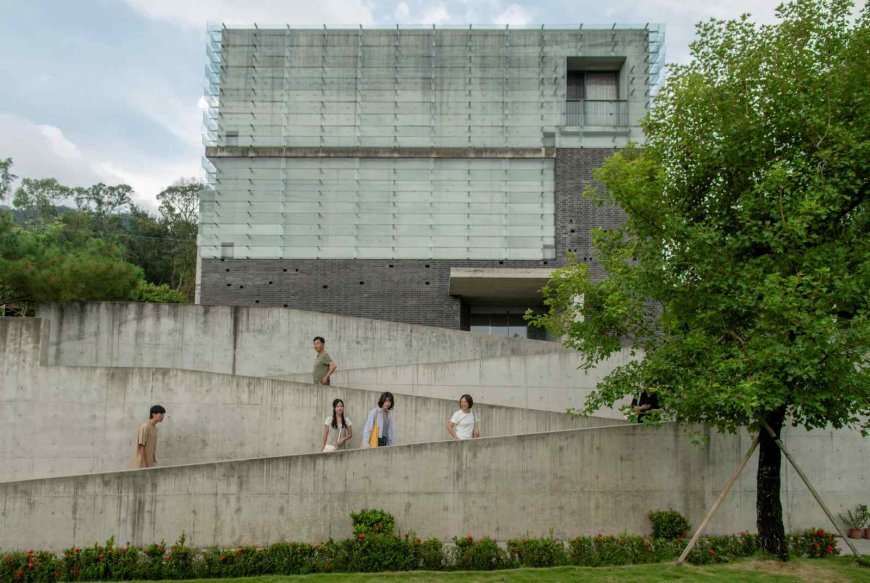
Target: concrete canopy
point(499, 285)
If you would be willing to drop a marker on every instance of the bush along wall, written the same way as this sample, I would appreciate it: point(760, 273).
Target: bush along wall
point(377, 547)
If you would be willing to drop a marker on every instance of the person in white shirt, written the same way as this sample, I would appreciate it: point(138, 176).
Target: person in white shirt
point(337, 428)
point(464, 423)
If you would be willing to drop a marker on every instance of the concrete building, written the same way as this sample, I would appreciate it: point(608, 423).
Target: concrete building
point(427, 176)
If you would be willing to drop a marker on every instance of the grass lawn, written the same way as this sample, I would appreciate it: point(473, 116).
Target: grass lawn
point(751, 570)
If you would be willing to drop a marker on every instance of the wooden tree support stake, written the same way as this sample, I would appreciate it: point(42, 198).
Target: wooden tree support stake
point(718, 502)
point(810, 486)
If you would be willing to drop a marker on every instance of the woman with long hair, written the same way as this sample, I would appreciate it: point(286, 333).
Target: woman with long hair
point(337, 428)
point(378, 431)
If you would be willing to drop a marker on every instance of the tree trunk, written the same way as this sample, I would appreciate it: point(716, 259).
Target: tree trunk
point(771, 532)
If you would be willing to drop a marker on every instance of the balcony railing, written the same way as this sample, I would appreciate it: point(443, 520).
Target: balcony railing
point(596, 112)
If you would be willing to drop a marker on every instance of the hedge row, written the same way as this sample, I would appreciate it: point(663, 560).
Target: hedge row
point(377, 551)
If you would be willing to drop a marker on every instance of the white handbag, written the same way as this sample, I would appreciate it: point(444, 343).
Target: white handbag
point(328, 448)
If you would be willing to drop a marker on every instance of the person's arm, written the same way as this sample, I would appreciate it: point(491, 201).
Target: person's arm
point(347, 437)
point(367, 430)
point(451, 429)
point(389, 435)
point(325, 436)
point(141, 441)
point(140, 453)
point(332, 366)
point(475, 433)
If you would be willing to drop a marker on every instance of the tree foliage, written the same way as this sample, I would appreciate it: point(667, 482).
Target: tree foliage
point(743, 265)
point(6, 177)
point(105, 249)
point(179, 211)
point(41, 197)
point(39, 266)
point(742, 269)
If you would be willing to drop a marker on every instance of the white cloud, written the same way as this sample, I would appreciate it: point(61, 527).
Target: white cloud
point(43, 151)
point(402, 12)
point(437, 15)
point(159, 102)
point(196, 13)
point(515, 15)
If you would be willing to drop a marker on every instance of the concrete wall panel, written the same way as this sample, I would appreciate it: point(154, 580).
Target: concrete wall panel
point(251, 341)
point(72, 420)
point(587, 481)
point(549, 381)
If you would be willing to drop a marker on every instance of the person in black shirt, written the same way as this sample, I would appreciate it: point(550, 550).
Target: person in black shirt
point(647, 403)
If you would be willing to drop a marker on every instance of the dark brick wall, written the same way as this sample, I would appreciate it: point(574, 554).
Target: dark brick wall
point(412, 291)
point(576, 215)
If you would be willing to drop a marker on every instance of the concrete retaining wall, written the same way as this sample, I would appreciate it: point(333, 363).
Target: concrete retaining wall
point(574, 482)
point(551, 381)
point(75, 420)
point(252, 341)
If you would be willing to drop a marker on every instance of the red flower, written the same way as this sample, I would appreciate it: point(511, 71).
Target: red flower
point(75, 571)
point(816, 545)
point(239, 552)
point(30, 565)
point(829, 549)
point(361, 536)
point(19, 574)
point(712, 551)
point(100, 557)
point(597, 536)
point(471, 538)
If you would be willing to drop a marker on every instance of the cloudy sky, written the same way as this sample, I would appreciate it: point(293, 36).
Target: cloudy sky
point(109, 90)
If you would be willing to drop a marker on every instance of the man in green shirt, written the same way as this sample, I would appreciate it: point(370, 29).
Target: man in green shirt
point(324, 366)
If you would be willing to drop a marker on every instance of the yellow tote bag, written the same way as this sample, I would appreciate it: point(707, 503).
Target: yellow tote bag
point(373, 438)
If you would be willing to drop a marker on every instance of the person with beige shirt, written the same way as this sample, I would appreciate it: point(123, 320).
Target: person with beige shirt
point(146, 440)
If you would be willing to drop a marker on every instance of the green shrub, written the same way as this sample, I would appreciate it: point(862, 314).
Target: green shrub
point(537, 552)
point(669, 524)
point(368, 521)
point(377, 552)
point(478, 555)
point(600, 551)
point(289, 559)
point(372, 553)
point(430, 554)
point(812, 543)
point(158, 294)
point(29, 567)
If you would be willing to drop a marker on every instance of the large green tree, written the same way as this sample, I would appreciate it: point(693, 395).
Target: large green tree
point(45, 266)
point(179, 213)
point(743, 267)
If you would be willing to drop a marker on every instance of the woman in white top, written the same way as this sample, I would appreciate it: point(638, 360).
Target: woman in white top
point(336, 429)
point(464, 423)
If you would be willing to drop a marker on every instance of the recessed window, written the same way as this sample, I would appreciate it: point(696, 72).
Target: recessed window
point(592, 92)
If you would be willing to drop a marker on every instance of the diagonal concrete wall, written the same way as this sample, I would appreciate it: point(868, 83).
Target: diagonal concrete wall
point(551, 381)
point(76, 420)
point(252, 341)
point(583, 481)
